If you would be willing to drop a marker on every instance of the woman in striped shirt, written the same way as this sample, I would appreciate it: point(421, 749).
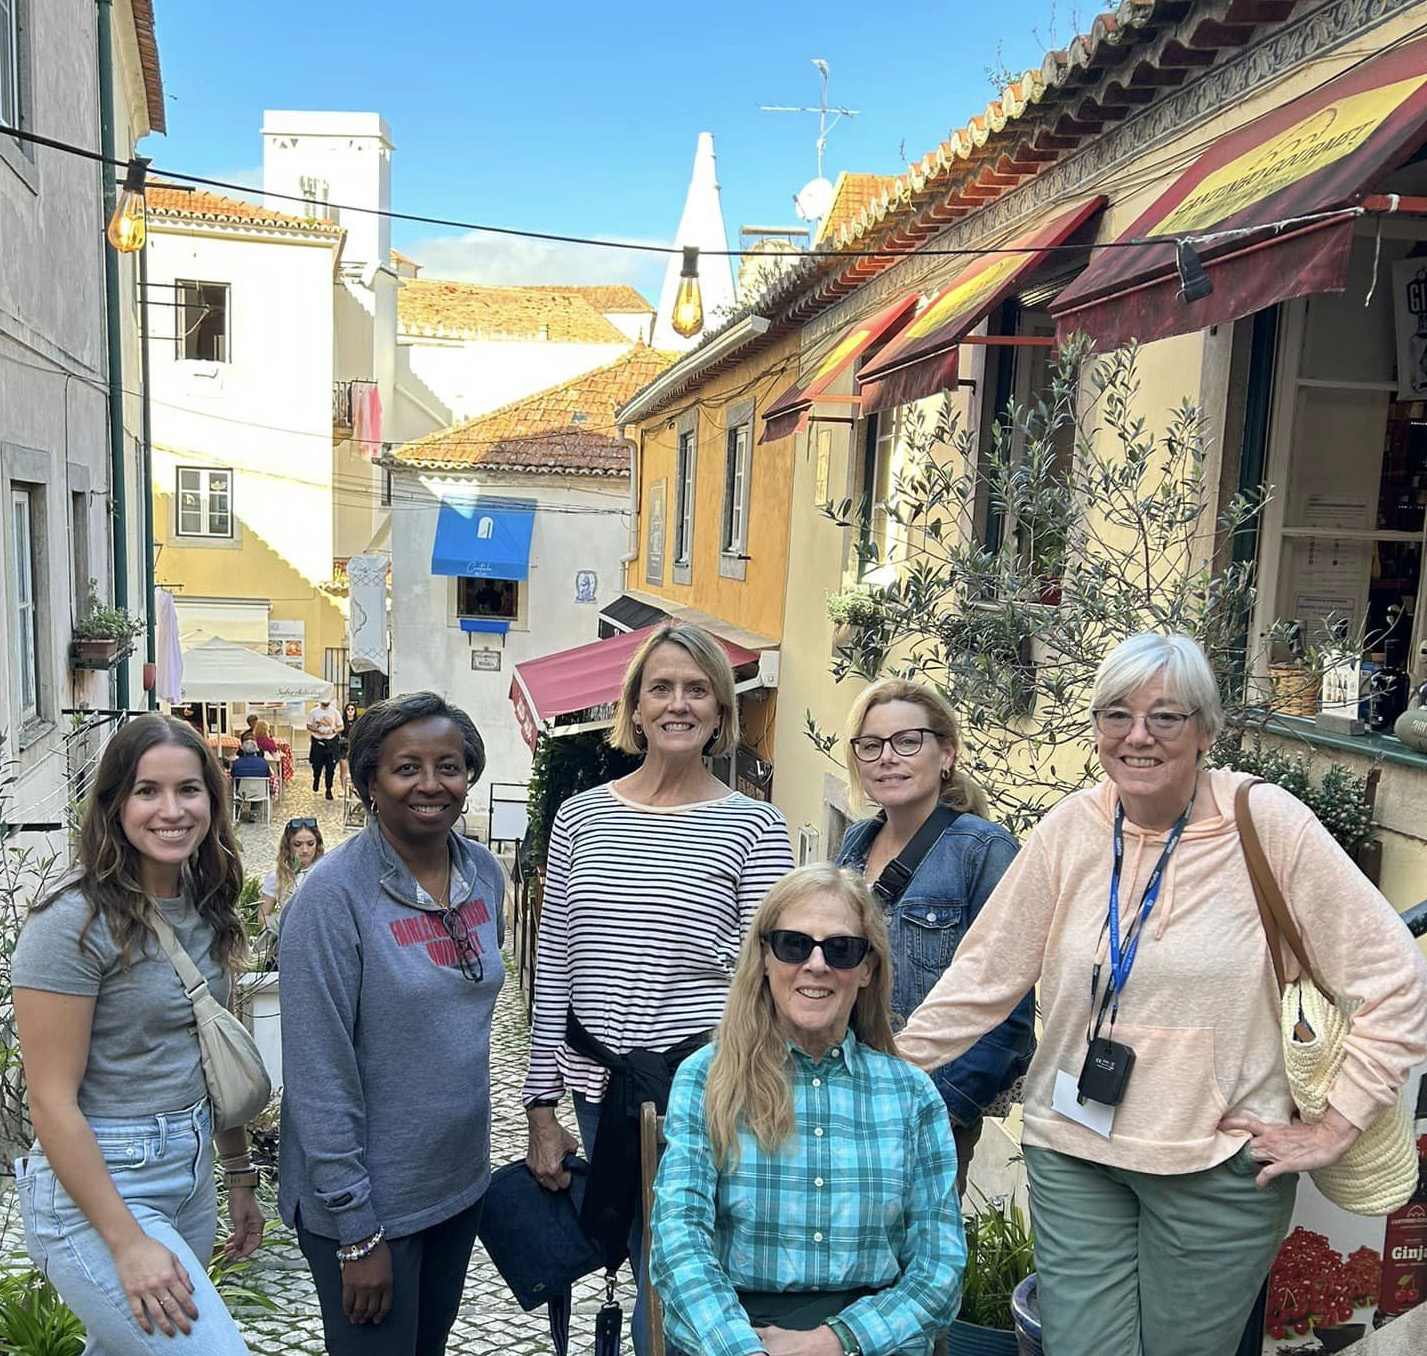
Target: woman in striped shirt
point(651, 882)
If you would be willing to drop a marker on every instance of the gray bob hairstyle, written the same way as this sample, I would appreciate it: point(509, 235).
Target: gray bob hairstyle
point(1177, 660)
point(709, 655)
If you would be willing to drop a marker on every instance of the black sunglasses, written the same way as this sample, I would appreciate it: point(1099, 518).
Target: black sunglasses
point(468, 956)
point(302, 823)
point(793, 948)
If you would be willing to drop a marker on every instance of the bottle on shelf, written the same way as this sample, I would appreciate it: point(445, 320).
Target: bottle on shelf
point(1403, 1282)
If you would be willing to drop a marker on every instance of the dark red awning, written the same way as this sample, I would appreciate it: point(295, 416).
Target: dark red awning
point(789, 413)
point(589, 675)
point(921, 360)
point(1318, 154)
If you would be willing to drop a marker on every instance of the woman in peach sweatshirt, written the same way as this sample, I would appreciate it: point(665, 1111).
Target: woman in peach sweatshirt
point(1163, 1159)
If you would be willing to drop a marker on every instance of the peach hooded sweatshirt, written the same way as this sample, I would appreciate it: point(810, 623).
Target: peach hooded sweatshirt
point(1200, 1008)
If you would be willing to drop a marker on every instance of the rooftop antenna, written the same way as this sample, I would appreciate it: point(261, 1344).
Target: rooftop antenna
point(824, 127)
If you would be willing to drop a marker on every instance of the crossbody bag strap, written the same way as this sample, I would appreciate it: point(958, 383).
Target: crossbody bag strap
point(1273, 908)
point(194, 985)
point(892, 884)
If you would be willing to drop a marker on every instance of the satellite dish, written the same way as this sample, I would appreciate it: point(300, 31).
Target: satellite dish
point(813, 200)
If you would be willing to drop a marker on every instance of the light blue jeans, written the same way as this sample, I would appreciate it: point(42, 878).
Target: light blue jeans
point(163, 1168)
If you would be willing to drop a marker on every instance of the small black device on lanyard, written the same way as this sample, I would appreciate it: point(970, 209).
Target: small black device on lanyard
point(1108, 1063)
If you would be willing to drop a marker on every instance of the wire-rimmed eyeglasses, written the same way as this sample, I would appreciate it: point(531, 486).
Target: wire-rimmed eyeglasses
point(1116, 722)
point(868, 748)
point(468, 955)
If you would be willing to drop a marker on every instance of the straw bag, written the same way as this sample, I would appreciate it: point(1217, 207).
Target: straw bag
point(1379, 1172)
point(238, 1084)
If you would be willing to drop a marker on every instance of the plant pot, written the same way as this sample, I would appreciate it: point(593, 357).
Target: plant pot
point(98, 654)
point(1026, 1311)
point(1340, 1336)
point(971, 1339)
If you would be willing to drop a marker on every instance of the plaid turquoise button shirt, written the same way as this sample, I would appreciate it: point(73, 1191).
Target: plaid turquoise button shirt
point(862, 1194)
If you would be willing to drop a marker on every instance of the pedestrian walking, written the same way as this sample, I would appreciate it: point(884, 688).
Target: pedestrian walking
point(324, 725)
point(651, 882)
point(1159, 1141)
point(349, 718)
point(807, 1199)
point(117, 1194)
point(391, 954)
point(932, 857)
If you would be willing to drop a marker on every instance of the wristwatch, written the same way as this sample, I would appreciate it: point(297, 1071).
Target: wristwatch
point(850, 1344)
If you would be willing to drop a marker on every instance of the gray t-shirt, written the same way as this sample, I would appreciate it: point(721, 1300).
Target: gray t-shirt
point(143, 1052)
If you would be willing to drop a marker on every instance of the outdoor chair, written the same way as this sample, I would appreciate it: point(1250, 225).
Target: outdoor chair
point(354, 813)
point(249, 792)
point(651, 1142)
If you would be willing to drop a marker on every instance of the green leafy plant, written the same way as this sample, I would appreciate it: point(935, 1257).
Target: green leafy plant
point(860, 605)
point(34, 1321)
point(1000, 1254)
point(102, 622)
point(563, 767)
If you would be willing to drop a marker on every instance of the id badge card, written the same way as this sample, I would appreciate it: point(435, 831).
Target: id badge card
point(1065, 1101)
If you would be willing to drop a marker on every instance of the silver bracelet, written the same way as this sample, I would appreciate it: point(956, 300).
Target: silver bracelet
point(354, 1252)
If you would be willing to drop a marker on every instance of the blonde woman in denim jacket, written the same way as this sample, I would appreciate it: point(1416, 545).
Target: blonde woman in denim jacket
point(903, 755)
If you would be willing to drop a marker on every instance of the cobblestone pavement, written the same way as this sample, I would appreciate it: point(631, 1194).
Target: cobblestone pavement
point(490, 1320)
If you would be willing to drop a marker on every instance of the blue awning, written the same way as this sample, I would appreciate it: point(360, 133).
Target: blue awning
point(484, 538)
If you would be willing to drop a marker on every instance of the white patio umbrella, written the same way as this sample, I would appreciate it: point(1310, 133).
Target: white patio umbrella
point(216, 670)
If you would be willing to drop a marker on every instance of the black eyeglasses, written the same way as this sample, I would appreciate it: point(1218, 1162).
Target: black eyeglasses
point(308, 823)
point(793, 948)
point(468, 956)
point(868, 748)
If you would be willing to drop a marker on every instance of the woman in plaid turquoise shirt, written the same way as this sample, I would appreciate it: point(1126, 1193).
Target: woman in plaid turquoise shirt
point(807, 1203)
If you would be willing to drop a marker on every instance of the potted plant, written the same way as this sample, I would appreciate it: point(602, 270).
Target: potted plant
point(854, 609)
point(999, 1260)
point(103, 635)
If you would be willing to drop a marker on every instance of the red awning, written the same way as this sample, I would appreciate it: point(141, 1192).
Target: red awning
point(589, 675)
point(1320, 153)
point(921, 360)
point(789, 413)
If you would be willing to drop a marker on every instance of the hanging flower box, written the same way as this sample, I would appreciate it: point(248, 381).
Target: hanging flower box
point(103, 653)
point(103, 636)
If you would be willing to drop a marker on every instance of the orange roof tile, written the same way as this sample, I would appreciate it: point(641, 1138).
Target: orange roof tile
point(609, 299)
point(167, 200)
point(852, 196)
point(566, 428)
point(431, 305)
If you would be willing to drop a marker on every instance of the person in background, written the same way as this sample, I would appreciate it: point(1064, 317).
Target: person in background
point(349, 718)
point(904, 755)
point(298, 851)
point(391, 954)
point(1159, 1207)
point(651, 882)
point(262, 737)
point(807, 1204)
point(117, 1195)
point(249, 763)
point(324, 725)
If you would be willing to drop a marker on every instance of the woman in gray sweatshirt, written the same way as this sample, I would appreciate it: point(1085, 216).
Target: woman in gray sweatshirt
point(391, 965)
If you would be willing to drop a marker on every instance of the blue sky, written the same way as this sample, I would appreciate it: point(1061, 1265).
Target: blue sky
point(582, 118)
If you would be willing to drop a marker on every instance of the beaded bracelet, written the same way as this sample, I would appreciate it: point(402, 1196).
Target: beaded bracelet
point(354, 1252)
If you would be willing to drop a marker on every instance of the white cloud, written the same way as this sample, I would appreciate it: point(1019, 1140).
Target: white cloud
point(250, 179)
point(511, 261)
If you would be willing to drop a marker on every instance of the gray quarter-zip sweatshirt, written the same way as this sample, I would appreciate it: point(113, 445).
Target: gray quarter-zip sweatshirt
point(385, 1043)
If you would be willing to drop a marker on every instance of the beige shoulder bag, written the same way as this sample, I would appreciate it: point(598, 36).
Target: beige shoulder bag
point(238, 1084)
point(1379, 1172)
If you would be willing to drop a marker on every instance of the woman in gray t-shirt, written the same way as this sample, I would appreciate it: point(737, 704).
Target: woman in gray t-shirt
point(117, 1195)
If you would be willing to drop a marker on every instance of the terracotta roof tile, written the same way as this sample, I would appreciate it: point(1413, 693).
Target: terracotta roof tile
point(566, 428)
point(433, 306)
point(852, 196)
point(166, 200)
point(609, 299)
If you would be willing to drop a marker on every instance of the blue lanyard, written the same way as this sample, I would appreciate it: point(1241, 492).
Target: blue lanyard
point(1122, 953)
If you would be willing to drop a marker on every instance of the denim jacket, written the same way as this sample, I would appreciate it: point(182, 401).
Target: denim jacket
point(940, 903)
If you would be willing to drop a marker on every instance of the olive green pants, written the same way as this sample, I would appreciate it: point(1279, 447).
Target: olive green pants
point(1130, 1262)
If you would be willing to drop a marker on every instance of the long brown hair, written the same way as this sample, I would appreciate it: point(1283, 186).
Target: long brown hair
point(748, 1086)
point(108, 866)
point(960, 790)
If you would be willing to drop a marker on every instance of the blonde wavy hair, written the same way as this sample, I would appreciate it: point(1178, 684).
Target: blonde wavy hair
point(960, 790)
point(286, 869)
point(709, 655)
point(748, 1085)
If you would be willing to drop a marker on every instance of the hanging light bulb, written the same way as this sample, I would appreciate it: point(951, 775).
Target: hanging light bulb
point(688, 317)
point(1194, 284)
point(127, 226)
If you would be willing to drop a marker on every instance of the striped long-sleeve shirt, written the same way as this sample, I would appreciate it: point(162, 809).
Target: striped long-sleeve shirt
point(861, 1195)
point(643, 914)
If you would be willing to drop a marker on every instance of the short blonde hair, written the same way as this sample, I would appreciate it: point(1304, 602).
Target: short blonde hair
point(711, 658)
point(1178, 660)
point(961, 791)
